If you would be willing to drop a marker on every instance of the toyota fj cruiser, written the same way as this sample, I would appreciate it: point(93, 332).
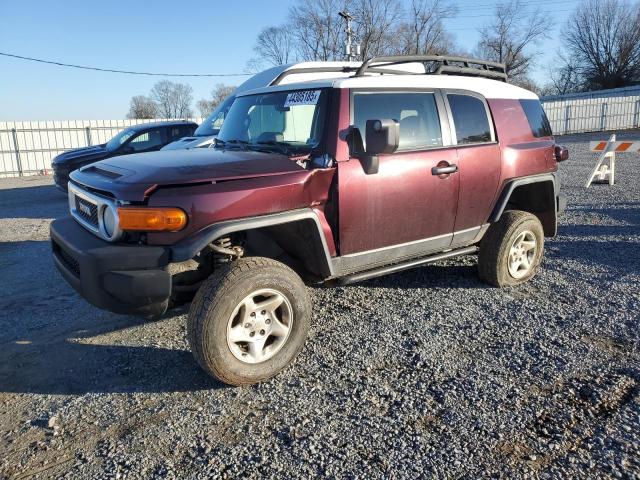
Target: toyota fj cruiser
point(333, 181)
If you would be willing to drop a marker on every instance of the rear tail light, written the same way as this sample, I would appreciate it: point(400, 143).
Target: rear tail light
point(152, 219)
point(561, 153)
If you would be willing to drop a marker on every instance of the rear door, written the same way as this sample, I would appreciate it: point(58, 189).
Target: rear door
point(177, 132)
point(406, 204)
point(479, 161)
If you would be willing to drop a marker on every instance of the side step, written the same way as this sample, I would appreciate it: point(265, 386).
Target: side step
point(398, 267)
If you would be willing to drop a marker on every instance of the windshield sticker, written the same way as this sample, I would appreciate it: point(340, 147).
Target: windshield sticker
point(302, 97)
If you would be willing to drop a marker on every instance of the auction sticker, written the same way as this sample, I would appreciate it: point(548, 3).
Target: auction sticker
point(302, 97)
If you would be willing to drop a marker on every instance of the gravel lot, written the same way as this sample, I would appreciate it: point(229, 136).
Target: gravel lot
point(427, 372)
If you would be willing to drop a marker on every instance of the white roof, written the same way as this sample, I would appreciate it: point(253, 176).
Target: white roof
point(485, 87)
point(264, 78)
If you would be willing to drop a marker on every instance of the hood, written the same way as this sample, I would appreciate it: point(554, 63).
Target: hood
point(95, 152)
point(190, 142)
point(129, 177)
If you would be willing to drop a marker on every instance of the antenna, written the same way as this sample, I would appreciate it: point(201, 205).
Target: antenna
point(351, 51)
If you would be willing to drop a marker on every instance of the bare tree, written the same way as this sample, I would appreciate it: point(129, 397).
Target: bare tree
point(173, 100)
point(564, 79)
point(205, 107)
point(376, 24)
point(509, 37)
point(603, 43)
point(274, 45)
point(314, 30)
point(255, 65)
point(528, 83)
point(219, 93)
point(317, 29)
point(142, 107)
point(423, 31)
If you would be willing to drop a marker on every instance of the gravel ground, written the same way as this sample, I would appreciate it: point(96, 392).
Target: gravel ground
point(424, 373)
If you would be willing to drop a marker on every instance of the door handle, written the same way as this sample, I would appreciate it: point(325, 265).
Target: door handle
point(444, 169)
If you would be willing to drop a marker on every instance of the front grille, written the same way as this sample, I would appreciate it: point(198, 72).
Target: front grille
point(70, 262)
point(87, 210)
point(87, 206)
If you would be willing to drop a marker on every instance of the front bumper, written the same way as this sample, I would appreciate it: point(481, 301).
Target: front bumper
point(60, 176)
point(127, 279)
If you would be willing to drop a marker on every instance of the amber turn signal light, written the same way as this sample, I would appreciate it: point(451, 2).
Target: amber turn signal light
point(152, 219)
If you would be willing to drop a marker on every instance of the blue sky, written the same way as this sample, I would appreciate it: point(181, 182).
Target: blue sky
point(167, 36)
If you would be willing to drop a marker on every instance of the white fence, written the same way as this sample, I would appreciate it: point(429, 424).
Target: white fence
point(598, 111)
point(27, 148)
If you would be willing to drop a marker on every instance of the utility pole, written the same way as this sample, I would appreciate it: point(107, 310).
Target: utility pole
point(351, 51)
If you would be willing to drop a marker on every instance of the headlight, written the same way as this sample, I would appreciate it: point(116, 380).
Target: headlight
point(109, 221)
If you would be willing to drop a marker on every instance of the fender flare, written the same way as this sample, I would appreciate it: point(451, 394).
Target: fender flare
point(508, 189)
point(187, 249)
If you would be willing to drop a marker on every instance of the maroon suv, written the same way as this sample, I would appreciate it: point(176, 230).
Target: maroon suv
point(332, 181)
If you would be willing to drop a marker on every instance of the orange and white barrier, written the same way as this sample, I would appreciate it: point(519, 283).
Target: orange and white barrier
point(603, 172)
point(616, 147)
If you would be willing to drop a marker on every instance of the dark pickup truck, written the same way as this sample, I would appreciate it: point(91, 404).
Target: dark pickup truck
point(331, 181)
point(145, 137)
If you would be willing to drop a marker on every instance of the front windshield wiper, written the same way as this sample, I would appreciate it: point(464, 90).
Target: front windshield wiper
point(264, 145)
point(223, 143)
point(283, 147)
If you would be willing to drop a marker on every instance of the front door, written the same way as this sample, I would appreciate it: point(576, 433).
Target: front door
point(147, 141)
point(407, 208)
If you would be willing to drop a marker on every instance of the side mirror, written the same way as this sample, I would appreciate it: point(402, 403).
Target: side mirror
point(127, 149)
point(382, 137)
point(561, 153)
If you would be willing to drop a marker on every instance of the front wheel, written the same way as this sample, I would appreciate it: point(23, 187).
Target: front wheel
point(511, 250)
point(249, 320)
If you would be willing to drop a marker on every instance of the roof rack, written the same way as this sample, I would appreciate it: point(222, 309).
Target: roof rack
point(438, 65)
point(344, 69)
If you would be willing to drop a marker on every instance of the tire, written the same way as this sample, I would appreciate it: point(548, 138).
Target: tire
point(495, 264)
point(220, 312)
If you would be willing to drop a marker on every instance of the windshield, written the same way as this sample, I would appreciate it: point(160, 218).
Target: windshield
point(211, 125)
point(119, 139)
point(292, 121)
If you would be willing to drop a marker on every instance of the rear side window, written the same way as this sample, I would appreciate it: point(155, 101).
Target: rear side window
point(470, 119)
point(178, 132)
point(538, 121)
point(416, 113)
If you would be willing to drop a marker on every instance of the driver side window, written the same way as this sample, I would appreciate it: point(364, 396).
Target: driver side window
point(416, 112)
point(146, 141)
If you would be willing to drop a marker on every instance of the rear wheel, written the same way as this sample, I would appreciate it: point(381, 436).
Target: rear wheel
point(249, 320)
point(511, 250)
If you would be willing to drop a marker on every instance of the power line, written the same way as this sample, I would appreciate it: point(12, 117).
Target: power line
point(493, 14)
point(528, 8)
point(542, 3)
point(128, 72)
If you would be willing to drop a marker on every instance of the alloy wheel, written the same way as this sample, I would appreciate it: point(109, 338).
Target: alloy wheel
point(259, 326)
point(522, 254)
